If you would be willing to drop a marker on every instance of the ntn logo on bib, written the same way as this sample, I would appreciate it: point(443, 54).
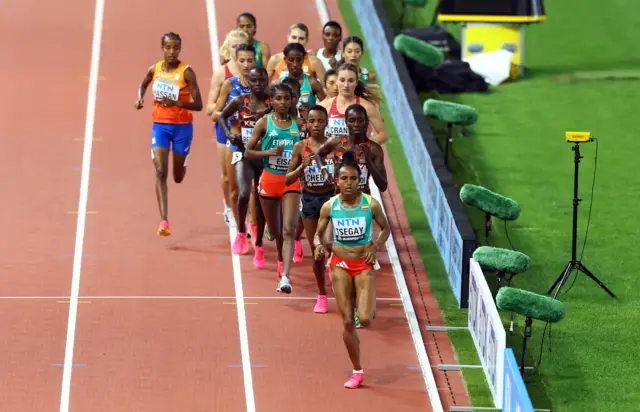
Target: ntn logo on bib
point(246, 133)
point(162, 89)
point(350, 228)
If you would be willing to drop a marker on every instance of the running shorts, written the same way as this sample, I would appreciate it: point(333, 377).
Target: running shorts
point(312, 203)
point(352, 267)
point(176, 137)
point(272, 186)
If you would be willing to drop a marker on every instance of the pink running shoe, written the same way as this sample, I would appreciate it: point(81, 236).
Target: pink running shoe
point(241, 244)
point(164, 229)
point(298, 253)
point(321, 304)
point(258, 257)
point(356, 380)
point(280, 269)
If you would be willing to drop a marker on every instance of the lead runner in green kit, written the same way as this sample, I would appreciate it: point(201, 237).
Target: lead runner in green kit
point(353, 254)
point(277, 133)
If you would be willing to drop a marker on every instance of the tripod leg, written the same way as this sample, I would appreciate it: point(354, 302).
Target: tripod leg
point(587, 272)
point(487, 228)
point(562, 278)
point(527, 334)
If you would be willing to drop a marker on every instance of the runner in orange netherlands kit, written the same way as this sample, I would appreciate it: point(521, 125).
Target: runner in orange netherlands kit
point(316, 189)
point(353, 254)
point(350, 91)
point(277, 134)
point(174, 87)
point(298, 33)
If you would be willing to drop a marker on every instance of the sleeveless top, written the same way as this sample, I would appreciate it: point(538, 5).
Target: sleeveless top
point(306, 67)
point(313, 177)
point(337, 125)
point(362, 163)
point(248, 119)
point(256, 45)
point(325, 61)
point(174, 86)
point(364, 76)
point(274, 137)
point(352, 227)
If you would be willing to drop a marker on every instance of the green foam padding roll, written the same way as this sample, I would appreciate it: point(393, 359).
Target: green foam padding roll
point(530, 304)
point(502, 260)
point(449, 112)
point(418, 50)
point(490, 202)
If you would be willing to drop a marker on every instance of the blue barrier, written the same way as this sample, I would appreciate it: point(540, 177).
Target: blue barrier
point(515, 395)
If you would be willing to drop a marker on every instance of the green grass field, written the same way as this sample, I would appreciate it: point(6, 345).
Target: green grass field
point(518, 149)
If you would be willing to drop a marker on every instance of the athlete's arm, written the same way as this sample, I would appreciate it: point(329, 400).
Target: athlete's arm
point(142, 89)
point(225, 91)
point(323, 223)
point(381, 220)
point(251, 152)
point(317, 88)
point(372, 77)
point(328, 147)
point(273, 64)
point(375, 164)
point(265, 50)
point(192, 82)
point(317, 66)
point(376, 122)
point(214, 91)
point(296, 167)
point(228, 111)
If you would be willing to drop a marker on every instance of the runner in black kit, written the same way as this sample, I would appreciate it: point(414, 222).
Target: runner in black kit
point(248, 108)
point(316, 189)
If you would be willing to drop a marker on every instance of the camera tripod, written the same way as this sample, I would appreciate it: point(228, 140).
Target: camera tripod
point(574, 263)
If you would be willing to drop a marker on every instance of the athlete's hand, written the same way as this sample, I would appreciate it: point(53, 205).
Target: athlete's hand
point(366, 150)
point(139, 104)
point(318, 254)
point(235, 140)
point(306, 160)
point(166, 102)
point(370, 254)
point(277, 151)
point(333, 61)
point(304, 110)
point(327, 176)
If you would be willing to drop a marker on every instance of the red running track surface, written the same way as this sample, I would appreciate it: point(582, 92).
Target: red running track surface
point(157, 325)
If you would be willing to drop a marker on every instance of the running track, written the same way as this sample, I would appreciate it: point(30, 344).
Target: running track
point(98, 313)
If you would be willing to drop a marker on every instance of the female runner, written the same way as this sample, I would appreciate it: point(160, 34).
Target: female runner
point(329, 55)
point(353, 254)
point(352, 51)
point(310, 88)
point(231, 88)
point(298, 33)
point(350, 91)
point(248, 109)
point(277, 133)
point(176, 94)
point(247, 23)
point(330, 84)
point(316, 189)
point(234, 39)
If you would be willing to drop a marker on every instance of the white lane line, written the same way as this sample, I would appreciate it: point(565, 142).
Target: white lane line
point(322, 11)
point(183, 297)
point(237, 273)
point(82, 205)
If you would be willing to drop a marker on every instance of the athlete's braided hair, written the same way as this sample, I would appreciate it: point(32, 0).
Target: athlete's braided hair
point(249, 16)
point(294, 47)
point(349, 160)
point(368, 92)
point(171, 35)
point(280, 87)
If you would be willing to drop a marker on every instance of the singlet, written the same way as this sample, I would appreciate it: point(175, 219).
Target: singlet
point(313, 177)
point(337, 125)
point(274, 137)
point(364, 76)
point(248, 119)
point(174, 86)
point(362, 163)
point(256, 45)
point(352, 227)
point(325, 61)
point(306, 91)
point(282, 69)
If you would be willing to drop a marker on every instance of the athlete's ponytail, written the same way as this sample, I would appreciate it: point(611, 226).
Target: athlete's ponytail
point(348, 159)
point(370, 92)
point(233, 34)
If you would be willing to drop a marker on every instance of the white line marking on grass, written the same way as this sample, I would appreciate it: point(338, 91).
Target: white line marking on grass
point(82, 205)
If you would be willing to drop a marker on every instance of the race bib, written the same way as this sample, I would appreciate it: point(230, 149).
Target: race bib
point(237, 156)
point(281, 163)
point(313, 176)
point(246, 134)
point(162, 90)
point(336, 127)
point(304, 97)
point(364, 176)
point(349, 229)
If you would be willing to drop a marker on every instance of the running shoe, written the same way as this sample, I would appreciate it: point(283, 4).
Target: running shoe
point(321, 304)
point(229, 219)
point(284, 286)
point(356, 320)
point(258, 257)
point(298, 253)
point(164, 229)
point(356, 380)
point(241, 245)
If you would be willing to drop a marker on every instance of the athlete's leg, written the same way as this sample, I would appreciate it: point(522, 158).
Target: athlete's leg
point(298, 255)
point(244, 179)
point(310, 226)
point(271, 210)
point(160, 146)
point(233, 184)
point(365, 296)
point(290, 215)
point(343, 286)
point(181, 149)
point(258, 258)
